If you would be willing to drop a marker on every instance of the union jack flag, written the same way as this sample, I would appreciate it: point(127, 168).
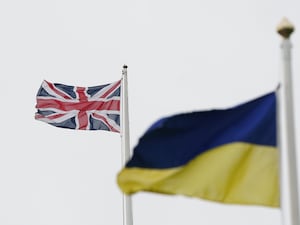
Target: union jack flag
point(83, 108)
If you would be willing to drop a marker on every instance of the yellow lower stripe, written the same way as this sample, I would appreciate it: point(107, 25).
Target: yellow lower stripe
point(239, 173)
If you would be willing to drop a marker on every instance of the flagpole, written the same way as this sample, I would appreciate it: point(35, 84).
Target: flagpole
point(288, 158)
point(127, 206)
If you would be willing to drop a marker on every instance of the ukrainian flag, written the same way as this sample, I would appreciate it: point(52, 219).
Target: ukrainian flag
point(227, 156)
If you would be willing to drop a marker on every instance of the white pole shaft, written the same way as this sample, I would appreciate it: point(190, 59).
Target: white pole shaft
point(287, 146)
point(127, 206)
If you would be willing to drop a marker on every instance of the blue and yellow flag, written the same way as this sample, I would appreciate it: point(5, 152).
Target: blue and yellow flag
point(227, 156)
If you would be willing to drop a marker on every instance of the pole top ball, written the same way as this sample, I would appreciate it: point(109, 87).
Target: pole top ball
point(285, 28)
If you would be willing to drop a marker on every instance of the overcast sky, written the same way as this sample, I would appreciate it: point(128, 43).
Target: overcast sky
point(181, 55)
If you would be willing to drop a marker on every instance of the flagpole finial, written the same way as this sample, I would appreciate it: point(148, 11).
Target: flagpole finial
point(285, 28)
point(124, 71)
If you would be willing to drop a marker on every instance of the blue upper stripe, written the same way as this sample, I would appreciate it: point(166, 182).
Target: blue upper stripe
point(175, 140)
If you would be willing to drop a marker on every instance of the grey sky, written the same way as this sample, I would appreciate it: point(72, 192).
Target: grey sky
point(181, 56)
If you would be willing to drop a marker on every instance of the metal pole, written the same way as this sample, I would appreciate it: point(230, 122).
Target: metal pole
point(287, 146)
point(127, 205)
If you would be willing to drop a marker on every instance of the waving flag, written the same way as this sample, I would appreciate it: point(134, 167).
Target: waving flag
point(227, 155)
point(84, 108)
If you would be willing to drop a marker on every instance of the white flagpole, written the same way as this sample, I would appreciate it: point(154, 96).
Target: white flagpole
point(286, 136)
point(127, 207)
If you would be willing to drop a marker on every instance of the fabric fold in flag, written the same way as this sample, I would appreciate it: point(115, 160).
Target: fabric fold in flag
point(83, 108)
point(226, 155)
